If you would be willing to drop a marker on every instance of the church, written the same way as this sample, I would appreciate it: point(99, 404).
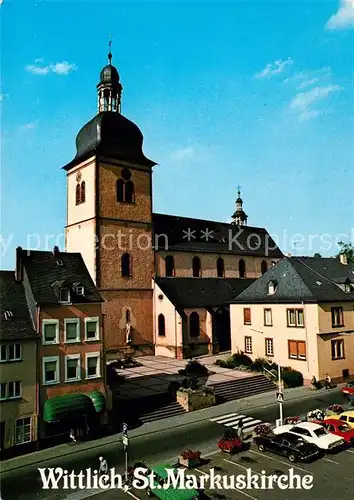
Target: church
point(166, 281)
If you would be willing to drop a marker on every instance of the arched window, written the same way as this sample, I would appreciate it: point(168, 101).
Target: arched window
point(242, 268)
point(77, 194)
point(194, 325)
point(220, 267)
point(83, 192)
point(169, 266)
point(127, 316)
point(264, 267)
point(120, 190)
point(125, 264)
point(196, 267)
point(161, 325)
point(129, 192)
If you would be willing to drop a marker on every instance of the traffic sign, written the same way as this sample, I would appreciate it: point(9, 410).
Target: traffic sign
point(125, 440)
point(280, 397)
point(125, 427)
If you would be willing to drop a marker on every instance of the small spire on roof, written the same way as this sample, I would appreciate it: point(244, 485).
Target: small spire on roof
point(109, 48)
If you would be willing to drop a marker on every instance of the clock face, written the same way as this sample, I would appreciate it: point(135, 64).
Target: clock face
point(78, 176)
point(126, 174)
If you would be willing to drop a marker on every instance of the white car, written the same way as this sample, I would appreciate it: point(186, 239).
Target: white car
point(312, 433)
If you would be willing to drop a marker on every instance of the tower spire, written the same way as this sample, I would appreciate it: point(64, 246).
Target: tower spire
point(109, 50)
point(239, 218)
point(109, 88)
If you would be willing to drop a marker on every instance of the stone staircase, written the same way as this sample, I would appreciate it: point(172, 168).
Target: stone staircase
point(169, 410)
point(159, 406)
point(242, 387)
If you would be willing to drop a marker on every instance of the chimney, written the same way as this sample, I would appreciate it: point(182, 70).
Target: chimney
point(19, 265)
point(343, 259)
point(56, 252)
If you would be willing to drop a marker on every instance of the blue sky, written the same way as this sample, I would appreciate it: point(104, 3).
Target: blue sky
point(253, 93)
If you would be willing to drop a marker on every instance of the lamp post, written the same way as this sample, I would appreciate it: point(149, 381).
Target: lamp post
point(125, 445)
point(280, 396)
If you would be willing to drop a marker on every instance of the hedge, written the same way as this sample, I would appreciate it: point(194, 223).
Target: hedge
point(292, 378)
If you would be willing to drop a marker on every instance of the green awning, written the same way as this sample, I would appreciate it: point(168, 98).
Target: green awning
point(98, 400)
point(66, 407)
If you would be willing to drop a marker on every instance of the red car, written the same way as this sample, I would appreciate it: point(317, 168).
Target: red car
point(340, 429)
point(348, 390)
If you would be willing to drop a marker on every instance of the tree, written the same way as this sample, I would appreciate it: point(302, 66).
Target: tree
point(318, 255)
point(348, 250)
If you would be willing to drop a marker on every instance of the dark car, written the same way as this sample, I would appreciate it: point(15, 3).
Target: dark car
point(288, 445)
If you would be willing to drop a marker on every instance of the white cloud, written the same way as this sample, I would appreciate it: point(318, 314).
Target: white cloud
point(308, 78)
point(28, 126)
point(182, 154)
point(344, 17)
point(274, 68)
point(60, 68)
point(2, 97)
point(303, 101)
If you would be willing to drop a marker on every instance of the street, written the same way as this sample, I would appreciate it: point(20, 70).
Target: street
point(332, 474)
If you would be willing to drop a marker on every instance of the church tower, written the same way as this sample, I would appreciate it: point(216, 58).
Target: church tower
point(239, 218)
point(109, 217)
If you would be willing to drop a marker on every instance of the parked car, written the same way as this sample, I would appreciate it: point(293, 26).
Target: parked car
point(289, 445)
point(163, 493)
point(346, 416)
point(340, 429)
point(349, 388)
point(313, 433)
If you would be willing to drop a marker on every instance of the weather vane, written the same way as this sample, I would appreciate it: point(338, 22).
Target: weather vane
point(109, 47)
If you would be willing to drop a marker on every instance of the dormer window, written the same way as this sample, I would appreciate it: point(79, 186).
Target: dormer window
point(64, 295)
point(347, 286)
point(272, 286)
point(79, 289)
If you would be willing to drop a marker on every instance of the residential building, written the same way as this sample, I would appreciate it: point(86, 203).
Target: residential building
point(300, 313)
point(66, 310)
point(18, 374)
point(127, 248)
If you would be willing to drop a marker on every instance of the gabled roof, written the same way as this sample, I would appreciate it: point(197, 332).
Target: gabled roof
point(211, 236)
point(298, 279)
point(15, 318)
point(201, 292)
point(330, 267)
point(45, 275)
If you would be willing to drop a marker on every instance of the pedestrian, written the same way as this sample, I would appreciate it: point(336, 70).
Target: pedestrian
point(103, 469)
point(72, 435)
point(314, 383)
point(328, 381)
point(239, 430)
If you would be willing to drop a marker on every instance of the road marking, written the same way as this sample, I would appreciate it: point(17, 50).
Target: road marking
point(332, 461)
point(201, 472)
point(237, 489)
point(233, 420)
point(288, 464)
point(225, 417)
point(349, 451)
point(132, 495)
point(241, 466)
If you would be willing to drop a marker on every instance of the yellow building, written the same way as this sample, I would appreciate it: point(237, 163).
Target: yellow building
point(300, 314)
point(18, 373)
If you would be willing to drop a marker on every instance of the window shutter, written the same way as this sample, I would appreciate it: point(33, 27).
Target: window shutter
point(301, 347)
point(247, 316)
point(292, 349)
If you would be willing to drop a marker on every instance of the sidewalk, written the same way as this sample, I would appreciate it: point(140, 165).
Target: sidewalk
point(245, 404)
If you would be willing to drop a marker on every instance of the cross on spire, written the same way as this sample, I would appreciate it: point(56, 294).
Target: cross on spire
point(239, 189)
